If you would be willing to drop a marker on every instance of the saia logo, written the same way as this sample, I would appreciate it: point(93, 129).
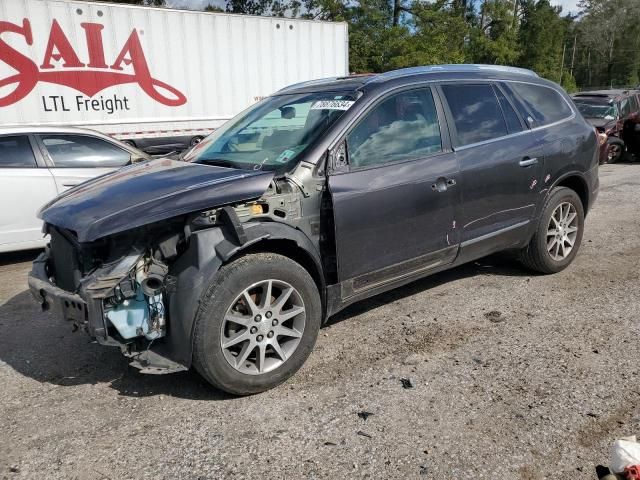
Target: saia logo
point(95, 75)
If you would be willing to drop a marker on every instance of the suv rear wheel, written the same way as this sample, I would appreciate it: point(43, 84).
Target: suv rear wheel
point(257, 324)
point(559, 234)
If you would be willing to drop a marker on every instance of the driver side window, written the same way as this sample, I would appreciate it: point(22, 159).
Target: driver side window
point(402, 127)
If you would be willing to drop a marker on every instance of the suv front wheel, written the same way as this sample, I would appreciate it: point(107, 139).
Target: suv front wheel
point(559, 234)
point(257, 323)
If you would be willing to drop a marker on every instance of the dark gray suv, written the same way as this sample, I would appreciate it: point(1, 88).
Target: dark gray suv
point(323, 194)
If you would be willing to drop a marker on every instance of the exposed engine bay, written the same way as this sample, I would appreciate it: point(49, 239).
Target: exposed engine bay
point(136, 308)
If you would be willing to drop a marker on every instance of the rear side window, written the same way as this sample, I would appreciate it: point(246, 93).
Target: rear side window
point(80, 151)
point(545, 104)
point(510, 115)
point(477, 115)
point(16, 152)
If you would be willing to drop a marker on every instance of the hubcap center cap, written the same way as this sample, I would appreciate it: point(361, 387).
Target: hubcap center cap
point(264, 327)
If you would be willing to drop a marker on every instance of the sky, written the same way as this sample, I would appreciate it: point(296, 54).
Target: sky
point(568, 6)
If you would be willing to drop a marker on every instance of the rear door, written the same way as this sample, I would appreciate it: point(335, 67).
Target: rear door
point(74, 158)
point(500, 162)
point(394, 204)
point(25, 185)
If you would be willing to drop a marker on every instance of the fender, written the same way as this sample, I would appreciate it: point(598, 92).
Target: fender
point(194, 270)
point(560, 177)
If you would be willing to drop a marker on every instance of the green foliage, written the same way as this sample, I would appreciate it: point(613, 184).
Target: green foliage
point(493, 37)
point(542, 38)
point(609, 42)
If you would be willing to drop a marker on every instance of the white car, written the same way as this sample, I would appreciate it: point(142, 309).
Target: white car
point(39, 163)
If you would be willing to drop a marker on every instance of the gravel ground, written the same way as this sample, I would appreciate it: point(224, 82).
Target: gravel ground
point(515, 376)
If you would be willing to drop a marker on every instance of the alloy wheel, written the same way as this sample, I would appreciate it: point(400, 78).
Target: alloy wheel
point(263, 327)
point(562, 231)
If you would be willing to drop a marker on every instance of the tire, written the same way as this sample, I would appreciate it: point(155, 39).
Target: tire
point(224, 303)
point(536, 255)
point(615, 149)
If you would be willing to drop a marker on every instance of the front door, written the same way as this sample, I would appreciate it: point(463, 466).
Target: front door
point(394, 206)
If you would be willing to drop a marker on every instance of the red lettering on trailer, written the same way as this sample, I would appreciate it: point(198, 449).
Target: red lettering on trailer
point(88, 78)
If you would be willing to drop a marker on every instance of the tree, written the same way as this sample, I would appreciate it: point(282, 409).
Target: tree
point(541, 39)
point(609, 30)
point(274, 8)
point(494, 39)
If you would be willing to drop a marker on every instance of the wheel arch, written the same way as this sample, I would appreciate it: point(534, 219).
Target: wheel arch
point(286, 247)
point(578, 184)
point(285, 240)
point(212, 248)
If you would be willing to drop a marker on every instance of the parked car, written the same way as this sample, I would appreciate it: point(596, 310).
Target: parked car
point(616, 115)
point(39, 163)
point(323, 194)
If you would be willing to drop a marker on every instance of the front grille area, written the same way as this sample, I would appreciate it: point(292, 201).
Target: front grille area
point(64, 261)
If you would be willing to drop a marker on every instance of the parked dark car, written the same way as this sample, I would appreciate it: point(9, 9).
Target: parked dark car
point(616, 116)
point(323, 194)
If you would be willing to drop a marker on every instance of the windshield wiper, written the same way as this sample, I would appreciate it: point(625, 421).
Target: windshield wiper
point(217, 162)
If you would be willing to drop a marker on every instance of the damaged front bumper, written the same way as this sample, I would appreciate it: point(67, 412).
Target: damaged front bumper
point(88, 309)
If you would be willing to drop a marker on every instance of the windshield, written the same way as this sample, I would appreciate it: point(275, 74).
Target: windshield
point(606, 112)
point(272, 134)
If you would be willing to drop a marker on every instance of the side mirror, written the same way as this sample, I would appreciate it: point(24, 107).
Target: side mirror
point(287, 112)
point(338, 161)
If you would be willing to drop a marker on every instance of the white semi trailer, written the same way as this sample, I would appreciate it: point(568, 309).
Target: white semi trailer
point(155, 77)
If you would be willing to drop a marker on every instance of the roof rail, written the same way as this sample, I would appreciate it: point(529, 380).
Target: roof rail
point(468, 67)
point(308, 83)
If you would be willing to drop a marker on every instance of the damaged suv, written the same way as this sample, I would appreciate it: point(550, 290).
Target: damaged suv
point(323, 194)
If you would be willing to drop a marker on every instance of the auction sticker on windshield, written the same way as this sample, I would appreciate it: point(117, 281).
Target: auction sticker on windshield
point(332, 105)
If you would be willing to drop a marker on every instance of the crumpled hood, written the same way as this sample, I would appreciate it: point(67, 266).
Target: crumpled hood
point(148, 192)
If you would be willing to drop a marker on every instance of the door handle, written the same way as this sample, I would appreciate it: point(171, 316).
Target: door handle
point(442, 184)
point(527, 162)
point(70, 184)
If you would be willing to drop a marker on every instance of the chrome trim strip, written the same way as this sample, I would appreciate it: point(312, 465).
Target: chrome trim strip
point(511, 135)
